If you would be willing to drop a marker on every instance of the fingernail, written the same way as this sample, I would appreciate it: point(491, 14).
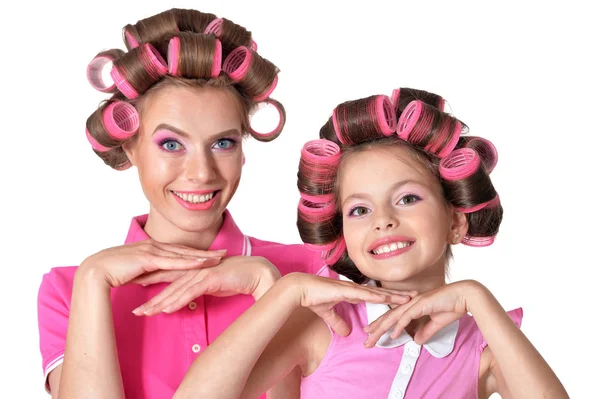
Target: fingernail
point(137, 311)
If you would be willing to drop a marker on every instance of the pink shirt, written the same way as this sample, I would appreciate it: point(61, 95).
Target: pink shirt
point(155, 352)
point(447, 366)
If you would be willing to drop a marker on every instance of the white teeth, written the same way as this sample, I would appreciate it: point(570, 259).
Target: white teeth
point(389, 248)
point(194, 198)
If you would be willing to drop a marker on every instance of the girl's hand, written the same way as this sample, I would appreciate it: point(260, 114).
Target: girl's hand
point(443, 306)
point(251, 275)
point(120, 265)
point(321, 294)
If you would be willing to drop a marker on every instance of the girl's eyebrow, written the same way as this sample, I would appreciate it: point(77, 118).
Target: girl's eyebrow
point(183, 134)
point(393, 187)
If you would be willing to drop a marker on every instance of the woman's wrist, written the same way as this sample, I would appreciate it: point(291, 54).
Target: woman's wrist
point(89, 275)
point(268, 277)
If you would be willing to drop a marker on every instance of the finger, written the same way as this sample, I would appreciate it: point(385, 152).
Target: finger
point(415, 311)
point(180, 300)
point(173, 263)
point(148, 308)
point(180, 249)
point(433, 326)
point(160, 276)
point(337, 324)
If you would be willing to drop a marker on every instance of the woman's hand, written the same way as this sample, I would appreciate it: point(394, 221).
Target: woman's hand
point(443, 306)
point(120, 265)
point(321, 294)
point(250, 275)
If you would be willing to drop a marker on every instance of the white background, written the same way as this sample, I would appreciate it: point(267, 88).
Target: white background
point(524, 75)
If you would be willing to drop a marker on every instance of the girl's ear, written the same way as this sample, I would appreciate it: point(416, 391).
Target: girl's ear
point(458, 227)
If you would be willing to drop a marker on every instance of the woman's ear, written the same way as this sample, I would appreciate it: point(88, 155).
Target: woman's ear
point(129, 147)
point(458, 227)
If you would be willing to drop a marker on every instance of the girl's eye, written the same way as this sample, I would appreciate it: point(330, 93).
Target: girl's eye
point(359, 211)
point(171, 145)
point(224, 144)
point(409, 199)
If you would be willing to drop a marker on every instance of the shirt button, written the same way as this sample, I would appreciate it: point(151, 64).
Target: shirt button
point(192, 305)
point(406, 369)
point(196, 348)
point(399, 395)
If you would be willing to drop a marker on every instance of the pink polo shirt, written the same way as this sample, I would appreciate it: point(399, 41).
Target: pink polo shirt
point(155, 352)
point(447, 366)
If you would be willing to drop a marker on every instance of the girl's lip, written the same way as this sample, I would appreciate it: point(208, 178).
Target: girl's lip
point(390, 240)
point(203, 206)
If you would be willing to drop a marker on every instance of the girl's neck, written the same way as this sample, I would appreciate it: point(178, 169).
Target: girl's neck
point(430, 279)
point(162, 230)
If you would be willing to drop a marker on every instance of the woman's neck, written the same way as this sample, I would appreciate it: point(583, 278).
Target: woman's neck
point(162, 230)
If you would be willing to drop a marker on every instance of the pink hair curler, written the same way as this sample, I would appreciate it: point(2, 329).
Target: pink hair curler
point(254, 46)
point(131, 40)
point(277, 130)
point(95, 145)
point(408, 119)
point(217, 60)
point(122, 84)
point(433, 147)
point(478, 241)
point(488, 204)
point(333, 255)
point(336, 127)
point(238, 63)
point(315, 212)
point(173, 56)
point(317, 199)
point(386, 116)
point(215, 27)
point(322, 151)
point(460, 164)
point(486, 150)
point(94, 73)
point(270, 90)
point(395, 98)
point(121, 120)
point(154, 63)
point(441, 104)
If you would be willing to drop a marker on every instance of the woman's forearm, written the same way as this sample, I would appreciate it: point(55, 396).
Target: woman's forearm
point(224, 367)
point(91, 367)
point(524, 372)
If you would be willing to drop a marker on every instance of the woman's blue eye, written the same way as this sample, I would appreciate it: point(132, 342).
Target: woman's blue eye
point(359, 211)
point(409, 199)
point(224, 144)
point(171, 145)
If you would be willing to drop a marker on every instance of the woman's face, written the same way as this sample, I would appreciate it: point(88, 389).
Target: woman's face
point(396, 222)
point(188, 153)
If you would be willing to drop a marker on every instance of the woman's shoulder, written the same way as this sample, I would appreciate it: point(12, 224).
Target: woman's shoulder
point(58, 280)
point(290, 258)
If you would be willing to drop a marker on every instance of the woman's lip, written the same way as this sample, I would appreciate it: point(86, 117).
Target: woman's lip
point(393, 253)
point(390, 240)
point(196, 207)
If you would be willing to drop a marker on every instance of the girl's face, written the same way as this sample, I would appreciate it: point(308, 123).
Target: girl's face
point(396, 222)
point(189, 154)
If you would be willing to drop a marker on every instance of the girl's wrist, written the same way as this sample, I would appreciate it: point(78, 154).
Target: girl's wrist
point(479, 299)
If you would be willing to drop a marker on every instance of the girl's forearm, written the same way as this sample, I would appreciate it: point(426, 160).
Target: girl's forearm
point(224, 367)
point(91, 367)
point(525, 373)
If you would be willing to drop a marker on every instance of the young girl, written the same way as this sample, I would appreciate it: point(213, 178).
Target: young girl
point(385, 201)
point(179, 108)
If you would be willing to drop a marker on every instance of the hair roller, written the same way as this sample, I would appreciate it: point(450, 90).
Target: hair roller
point(230, 34)
point(460, 164)
point(137, 70)
point(486, 150)
point(401, 97)
point(478, 241)
point(428, 128)
point(332, 256)
point(272, 135)
point(150, 30)
point(257, 75)
point(96, 66)
point(192, 20)
point(319, 161)
point(319, 224)
point(194, 55)
point(365, 119)
point(110, 125)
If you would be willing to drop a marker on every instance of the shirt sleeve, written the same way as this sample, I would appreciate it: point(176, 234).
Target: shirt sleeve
point(54, 300)
point(517, 317)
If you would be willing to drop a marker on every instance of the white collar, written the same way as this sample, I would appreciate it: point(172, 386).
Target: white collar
point(440, 345)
